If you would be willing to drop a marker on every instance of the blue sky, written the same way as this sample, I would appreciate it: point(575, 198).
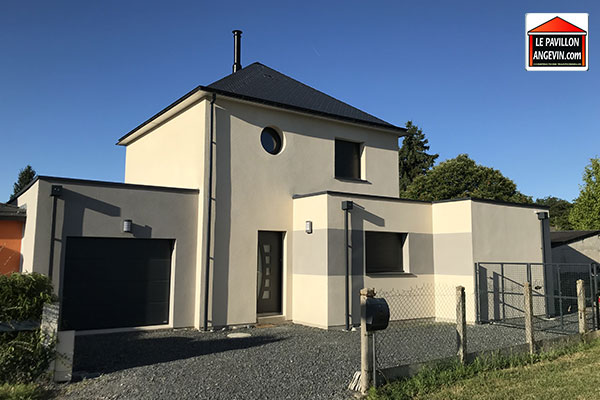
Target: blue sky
point(77, 75)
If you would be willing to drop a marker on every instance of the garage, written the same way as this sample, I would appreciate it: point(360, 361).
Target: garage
point(115, 283)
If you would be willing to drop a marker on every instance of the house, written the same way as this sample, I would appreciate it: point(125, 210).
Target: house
point(12, 220)
point(575, 246)
point(232, 213)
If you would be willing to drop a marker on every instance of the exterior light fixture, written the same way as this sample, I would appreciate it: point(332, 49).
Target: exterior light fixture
point(542, 215)
point(127, 224)
point(309, 227)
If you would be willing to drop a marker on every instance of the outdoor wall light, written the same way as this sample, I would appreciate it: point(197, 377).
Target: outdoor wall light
point(127, 223)
point(309, 227)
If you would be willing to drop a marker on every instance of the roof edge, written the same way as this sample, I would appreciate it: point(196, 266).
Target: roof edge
point(391, 128)
point(58, 179)
point(390, 198)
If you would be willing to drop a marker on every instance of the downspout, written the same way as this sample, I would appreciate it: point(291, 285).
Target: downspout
point(55, 193)
point(542, 217)
point(347, 206)
point(209, 224)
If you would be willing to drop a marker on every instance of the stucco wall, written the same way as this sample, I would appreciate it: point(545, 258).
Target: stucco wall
point(583, 251)
point(409, 217)
point(309, 258)
point(254, 191)
point(453, 257)
point(98, 210)
point(171, 154)
point(29, 200)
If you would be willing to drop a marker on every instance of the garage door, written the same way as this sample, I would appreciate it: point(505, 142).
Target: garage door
point(115, 283)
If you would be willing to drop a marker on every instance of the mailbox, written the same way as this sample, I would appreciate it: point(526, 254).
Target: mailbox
point(377, 313)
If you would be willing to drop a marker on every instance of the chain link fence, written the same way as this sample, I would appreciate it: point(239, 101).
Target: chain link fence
point(423, 325)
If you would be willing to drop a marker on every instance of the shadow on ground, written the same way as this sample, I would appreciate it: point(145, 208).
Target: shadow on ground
point(100, 354)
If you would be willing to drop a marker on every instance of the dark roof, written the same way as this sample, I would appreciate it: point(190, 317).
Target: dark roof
point(261, 84)
point(399, 199)
point(559, 238)
point(76, 181)
point(8, 211)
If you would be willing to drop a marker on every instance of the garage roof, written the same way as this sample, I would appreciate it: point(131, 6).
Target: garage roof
point(8, 211)
point(559, 238)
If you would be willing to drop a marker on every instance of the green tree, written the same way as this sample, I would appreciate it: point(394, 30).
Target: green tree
point(413, 159)
point(559, 212)
point(26, 175)
point(585, 213)
point(461, 177)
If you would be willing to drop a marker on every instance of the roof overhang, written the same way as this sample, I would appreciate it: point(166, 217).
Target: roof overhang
point(203, 92)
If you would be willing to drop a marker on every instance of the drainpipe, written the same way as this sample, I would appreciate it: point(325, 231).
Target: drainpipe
point(543, 217)
point(347, 206)
point(55, 193)
point(210, 198)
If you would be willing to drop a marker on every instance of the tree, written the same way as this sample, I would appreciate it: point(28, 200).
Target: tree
point(585, 213)
point(413, 159)
point(559, 212)
point(26, 175)
point(461, 177)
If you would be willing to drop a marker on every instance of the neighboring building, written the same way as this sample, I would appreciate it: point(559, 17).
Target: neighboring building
point(235, 196)
point(575, 246)
point(12, 220)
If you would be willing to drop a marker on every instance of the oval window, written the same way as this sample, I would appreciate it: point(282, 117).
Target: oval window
point(271, 140)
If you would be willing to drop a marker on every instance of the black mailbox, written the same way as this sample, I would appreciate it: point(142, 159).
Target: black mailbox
point(378, 314)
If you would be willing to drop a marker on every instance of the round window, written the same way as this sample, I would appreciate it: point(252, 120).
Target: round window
point(271, 140)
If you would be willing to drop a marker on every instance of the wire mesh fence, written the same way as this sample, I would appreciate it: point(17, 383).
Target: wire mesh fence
point(421, 327)
point(423, 323)
point(554, 295)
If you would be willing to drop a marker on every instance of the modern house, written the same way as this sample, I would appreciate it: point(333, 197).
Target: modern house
point(234, 208)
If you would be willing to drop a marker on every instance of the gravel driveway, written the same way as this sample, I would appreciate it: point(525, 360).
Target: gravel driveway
point(281, 362)
point(277, 362)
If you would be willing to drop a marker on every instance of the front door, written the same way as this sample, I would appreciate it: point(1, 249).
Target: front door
point(270, 267)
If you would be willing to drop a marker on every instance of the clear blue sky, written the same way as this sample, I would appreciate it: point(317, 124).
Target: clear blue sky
point(77, 75)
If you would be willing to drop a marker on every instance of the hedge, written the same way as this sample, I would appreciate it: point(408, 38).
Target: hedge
point(23, 358)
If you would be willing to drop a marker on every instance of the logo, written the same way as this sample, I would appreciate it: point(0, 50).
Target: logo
point(556, 42)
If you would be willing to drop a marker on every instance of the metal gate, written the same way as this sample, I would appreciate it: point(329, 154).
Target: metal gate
point(499, 292)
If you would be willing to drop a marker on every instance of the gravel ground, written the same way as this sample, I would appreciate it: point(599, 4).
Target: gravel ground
point(279, 362)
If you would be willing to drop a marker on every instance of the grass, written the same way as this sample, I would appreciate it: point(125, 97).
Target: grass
point(567, 373)
point(20, 391)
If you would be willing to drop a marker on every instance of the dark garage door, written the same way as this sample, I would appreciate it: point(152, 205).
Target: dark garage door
point(115, 283)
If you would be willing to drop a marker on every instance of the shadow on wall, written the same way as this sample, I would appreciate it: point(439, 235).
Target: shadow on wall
point(222, 217)
point(358, 216)
point(115, 352)
point(567, 254)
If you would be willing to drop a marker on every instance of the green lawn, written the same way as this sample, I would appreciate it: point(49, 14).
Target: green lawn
point(575, 375)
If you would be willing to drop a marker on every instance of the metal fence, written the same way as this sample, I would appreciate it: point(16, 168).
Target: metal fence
point(499, 291)
point(423, 319)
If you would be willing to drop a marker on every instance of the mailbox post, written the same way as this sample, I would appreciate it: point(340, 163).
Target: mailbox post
point(374, 316)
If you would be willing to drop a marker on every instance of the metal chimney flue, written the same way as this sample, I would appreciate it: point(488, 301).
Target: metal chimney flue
point(237, 50)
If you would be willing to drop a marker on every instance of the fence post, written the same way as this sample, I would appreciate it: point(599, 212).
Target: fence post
point(366, 343)
point(581, 305)
point(528, 309)
point(461, 324)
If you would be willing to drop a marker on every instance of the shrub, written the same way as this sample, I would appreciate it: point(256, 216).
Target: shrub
point(22, 296)
point(23, 358)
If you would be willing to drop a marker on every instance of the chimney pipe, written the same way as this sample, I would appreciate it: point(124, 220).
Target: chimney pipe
point(237, 50)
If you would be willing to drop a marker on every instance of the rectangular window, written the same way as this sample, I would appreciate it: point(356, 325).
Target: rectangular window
point(347, 159)
point(384, 252)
